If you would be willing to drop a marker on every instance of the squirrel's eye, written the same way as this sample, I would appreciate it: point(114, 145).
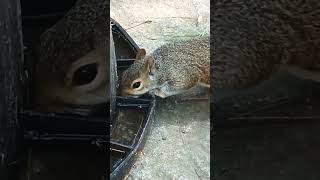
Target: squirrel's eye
point(136, 85)
point(85, 74)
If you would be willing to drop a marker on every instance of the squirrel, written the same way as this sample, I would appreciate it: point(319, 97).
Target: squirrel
point(254, 39)
point(73, 66)
point(171, 69)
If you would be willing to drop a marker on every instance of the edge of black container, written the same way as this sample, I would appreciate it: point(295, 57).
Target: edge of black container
point(124, 167)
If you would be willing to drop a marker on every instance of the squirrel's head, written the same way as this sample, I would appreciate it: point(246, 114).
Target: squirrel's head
point(73, 65)
point(85, 81)
point(139, 78)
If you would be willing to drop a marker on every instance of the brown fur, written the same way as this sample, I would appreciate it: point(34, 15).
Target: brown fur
point(81, 35)
point(176, 68)
point(252, 39)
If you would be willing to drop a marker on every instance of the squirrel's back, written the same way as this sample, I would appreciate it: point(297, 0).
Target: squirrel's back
point(252, 39)
point(184, 57)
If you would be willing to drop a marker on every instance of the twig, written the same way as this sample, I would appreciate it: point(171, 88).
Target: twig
point(145, 22)
point(177, 17)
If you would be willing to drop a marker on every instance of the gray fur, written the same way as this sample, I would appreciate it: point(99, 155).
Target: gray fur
point(82, 31)
point(179, 66)
point(252, 39)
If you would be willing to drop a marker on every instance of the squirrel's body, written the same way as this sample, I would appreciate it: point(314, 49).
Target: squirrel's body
point(253, 39)
point(171, 69)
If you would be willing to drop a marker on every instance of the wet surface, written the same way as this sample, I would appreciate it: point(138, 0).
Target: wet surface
point(125, 129)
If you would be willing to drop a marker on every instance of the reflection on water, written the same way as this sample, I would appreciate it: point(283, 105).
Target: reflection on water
point(127, 125)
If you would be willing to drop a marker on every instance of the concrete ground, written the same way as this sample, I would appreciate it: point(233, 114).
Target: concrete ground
point(178, 146)
point(153, 23)
point(179, 143)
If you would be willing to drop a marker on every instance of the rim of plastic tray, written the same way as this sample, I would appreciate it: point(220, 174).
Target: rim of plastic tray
point(125, 164)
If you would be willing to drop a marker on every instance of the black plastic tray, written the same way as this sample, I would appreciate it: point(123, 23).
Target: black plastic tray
point(123, 154)
point(81, 129)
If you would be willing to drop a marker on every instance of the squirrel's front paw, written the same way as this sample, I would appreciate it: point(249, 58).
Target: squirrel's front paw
point(160, 93)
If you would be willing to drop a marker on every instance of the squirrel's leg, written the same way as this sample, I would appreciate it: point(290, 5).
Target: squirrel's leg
point(204, 97)
point(304, 73)
point(204, 85)
point(182, 85)
point(167, 90)
point(160, 93)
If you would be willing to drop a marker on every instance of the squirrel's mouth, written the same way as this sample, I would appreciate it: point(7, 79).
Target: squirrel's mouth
point(125, 94)
point(131, 96)
point(134, 96)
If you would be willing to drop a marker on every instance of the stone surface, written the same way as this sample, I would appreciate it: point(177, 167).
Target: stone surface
point(153, 23)
point(179, 143)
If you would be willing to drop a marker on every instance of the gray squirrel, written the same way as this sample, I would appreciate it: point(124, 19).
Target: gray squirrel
point(171, 69)
point(254, 39)
point(73, 65)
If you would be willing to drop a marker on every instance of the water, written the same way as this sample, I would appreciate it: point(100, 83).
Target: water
point(127, 125)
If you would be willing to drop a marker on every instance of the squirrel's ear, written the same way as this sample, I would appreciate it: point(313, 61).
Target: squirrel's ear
point(150, 65)
point(140, 54)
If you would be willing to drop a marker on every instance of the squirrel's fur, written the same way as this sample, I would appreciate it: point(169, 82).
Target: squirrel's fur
point(253, 39)
point(81, 37)
point(171, 69)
